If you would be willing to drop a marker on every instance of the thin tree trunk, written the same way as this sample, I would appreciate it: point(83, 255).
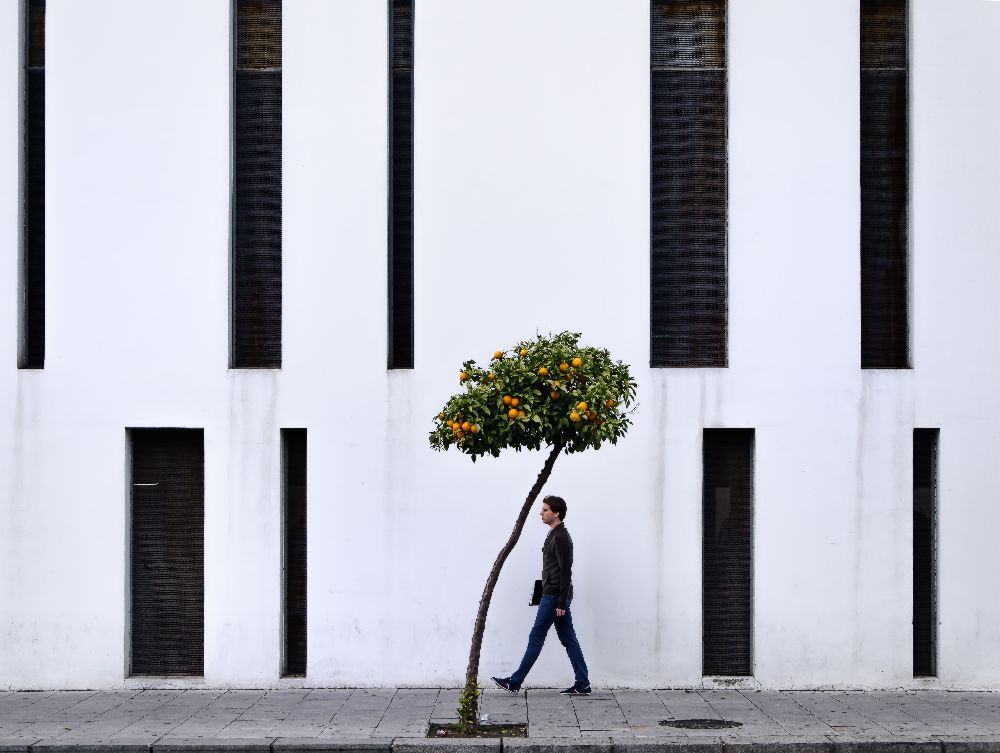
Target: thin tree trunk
point(472, 672)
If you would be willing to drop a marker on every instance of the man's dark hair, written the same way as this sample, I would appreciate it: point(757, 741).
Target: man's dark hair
point(557, 505)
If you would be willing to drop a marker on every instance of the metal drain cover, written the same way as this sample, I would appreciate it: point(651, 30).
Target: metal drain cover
point(700, 723)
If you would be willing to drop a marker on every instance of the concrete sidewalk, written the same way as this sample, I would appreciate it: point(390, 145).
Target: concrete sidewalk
point(315, 720)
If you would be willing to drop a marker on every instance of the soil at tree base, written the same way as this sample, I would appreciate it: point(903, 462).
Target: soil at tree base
point(483, 730)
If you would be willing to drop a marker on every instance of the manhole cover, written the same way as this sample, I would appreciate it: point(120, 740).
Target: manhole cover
point(700, 723)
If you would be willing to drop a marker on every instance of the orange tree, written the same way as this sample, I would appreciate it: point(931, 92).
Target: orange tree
point(548, 391)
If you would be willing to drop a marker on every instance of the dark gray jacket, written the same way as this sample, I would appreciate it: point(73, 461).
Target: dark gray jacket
point(557, 565)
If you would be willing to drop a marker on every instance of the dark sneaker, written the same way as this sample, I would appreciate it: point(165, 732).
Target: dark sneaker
point(504, 684)
point(576, 690)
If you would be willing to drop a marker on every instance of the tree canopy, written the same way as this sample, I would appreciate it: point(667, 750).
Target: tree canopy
point(546, 391)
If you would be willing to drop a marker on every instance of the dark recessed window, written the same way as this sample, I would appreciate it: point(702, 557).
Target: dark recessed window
point(925, 452)
point(884, 181)
point(401, 184)
point(688, 183)
point(167, 552)
point(727, 552)
point(293, 467)
point(256, 222)
point(32, 289)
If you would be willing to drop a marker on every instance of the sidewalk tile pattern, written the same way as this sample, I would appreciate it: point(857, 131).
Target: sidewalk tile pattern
point(389, 719)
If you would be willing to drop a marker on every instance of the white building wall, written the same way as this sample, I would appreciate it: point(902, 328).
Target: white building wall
point(532, 214)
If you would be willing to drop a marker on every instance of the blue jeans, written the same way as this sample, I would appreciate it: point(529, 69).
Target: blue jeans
point(567, 636)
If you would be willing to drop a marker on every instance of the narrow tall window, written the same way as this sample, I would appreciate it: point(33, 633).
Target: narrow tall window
point(32, 292)
point(925, 451)
point(688, 183)
point(401, 184)
point(884, 265)
point(293, 552)
point(727, 552)
point(256, 232)
point(167, 552)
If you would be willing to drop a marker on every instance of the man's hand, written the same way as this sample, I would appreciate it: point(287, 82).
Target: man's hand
point(560, 612)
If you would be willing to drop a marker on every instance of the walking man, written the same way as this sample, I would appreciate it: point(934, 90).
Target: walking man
point(557, 593)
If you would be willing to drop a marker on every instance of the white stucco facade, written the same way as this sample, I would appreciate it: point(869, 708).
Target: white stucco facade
point(532, 214)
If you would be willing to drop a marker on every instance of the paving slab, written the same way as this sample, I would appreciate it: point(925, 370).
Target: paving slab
point(601, 744)
point(451, 744)
point(216, 745)
point(667, 746)
point(331, 745)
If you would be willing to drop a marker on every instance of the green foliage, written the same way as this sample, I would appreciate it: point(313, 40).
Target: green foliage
point(478, 422)
point(468, 710)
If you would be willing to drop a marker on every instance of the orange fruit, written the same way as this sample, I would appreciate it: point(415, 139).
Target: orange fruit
point(577, 361)
point(581, 405)
point(507, 399)
point(610, 403)
point(449, 423)
point(554, 395)
point(543, 371)
point(498, 354)
point(514, 402)
point(466, 425)
point(574, 416)
point(591, 415)
point(520, 414)
point(460, 434)
point(524, 352)
point(512, 413)
point(462, 376)
point(475, 428)
point(491, 376)
point(563, 366)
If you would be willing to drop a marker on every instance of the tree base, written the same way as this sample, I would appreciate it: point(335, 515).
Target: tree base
point(479, 730)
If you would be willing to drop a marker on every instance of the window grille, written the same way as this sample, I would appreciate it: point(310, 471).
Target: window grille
point(925, 452)
point(32, 314)
point(401, 184)
point(293, 443)
point(256, 220)
point(167, 552)
point(884, 179)
point(727, 552)
point(688, 184)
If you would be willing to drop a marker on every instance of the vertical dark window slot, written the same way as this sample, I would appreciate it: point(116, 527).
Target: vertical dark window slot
point(32, 314)
point(925, 451)
point(256, 232)
point(884, 179)
point(727, 552)
point(401, 184)
point(293, 442)
point(688, 183)
point(167, 552)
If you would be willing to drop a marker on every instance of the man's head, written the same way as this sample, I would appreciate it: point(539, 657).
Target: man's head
point(553, 510)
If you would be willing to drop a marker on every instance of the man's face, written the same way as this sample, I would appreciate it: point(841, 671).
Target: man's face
point(548, 517)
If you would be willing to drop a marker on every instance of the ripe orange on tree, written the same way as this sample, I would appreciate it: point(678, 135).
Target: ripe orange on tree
point(512, 413)
point(577, 362)
point(515, 402)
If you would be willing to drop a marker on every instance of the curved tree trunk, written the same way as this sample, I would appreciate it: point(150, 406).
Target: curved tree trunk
point(472, 672)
